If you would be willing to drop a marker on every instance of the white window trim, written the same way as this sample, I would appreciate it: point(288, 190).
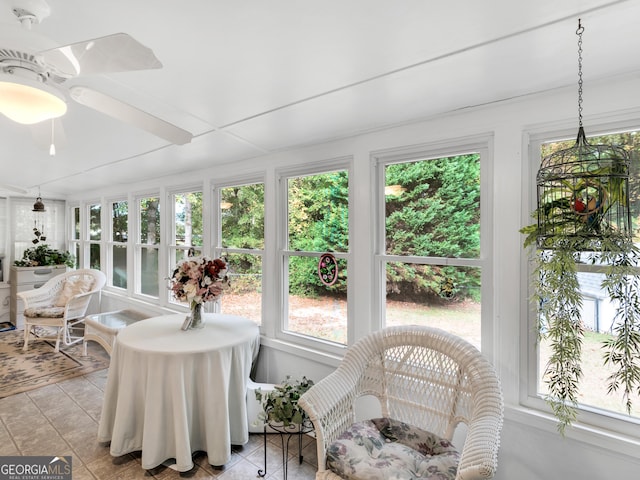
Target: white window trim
point(134, 232)
point(85, 233)
point(109, 243)
point(483, 145)
point(169, 219)
point(282, 175)
point(216, 226)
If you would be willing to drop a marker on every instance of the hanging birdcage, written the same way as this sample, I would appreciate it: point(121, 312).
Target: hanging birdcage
point(583, 191)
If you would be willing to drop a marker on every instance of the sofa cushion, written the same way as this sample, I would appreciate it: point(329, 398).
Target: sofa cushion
point(385, 448)
point(44, 312)
point(71, 288)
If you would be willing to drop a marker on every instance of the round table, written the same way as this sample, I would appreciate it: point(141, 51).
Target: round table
point(172, 392)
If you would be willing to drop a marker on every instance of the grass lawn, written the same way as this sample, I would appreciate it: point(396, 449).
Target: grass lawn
point(326, 319)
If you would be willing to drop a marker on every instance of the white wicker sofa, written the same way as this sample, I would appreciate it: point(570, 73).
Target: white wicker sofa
point(427, 382)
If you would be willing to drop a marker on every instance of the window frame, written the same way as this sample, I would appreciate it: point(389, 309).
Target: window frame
point(481, 145)
point(216, 228)
point(134, 230)
point(110, 243)
point(86, 234)
point(75, 242)
point(170, 219)
point(282, 221)
point(587, 416)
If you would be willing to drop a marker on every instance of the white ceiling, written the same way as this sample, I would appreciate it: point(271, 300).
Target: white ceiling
point(252, 77)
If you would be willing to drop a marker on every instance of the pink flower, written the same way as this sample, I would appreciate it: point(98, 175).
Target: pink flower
point(199, 279)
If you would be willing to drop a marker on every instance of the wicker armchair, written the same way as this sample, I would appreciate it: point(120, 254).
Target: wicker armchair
point(62, 303)
point(427, 381)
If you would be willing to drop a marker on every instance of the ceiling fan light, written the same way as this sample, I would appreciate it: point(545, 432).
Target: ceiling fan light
point(27, 104)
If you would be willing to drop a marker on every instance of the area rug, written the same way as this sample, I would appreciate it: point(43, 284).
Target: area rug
point(41, 365)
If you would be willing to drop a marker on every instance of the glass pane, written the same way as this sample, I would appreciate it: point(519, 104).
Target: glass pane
point(244, 296)
point(315, 309)
point(94, 256)
point(242, 214)
point(95, 227)
point(435, 295)
point(75, 249)
point(188, 220)
point(184, 253)
point(76, 224)
point(119, 272)
point(150, 221)
point(433, 207)
point(120, 221)
point(149, 271)
point(597, 316)
point(319, 212)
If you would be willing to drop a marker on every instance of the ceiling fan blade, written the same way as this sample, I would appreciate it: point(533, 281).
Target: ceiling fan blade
point(114, 53)
point(129, 114)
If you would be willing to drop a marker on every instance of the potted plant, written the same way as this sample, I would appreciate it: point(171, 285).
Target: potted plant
point(280, 405)
point(44, 255)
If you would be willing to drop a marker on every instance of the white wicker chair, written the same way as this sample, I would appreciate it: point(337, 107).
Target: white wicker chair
point(422, 376)
point(61, 302)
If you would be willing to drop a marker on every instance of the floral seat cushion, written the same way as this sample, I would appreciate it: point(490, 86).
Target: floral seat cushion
point(383, 448)
point(44, 312)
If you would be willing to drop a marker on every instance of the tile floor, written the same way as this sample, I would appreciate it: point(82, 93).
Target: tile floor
point(62, 419)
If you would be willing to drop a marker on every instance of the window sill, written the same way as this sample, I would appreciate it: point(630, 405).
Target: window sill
point(598, 437)
point(323, 358)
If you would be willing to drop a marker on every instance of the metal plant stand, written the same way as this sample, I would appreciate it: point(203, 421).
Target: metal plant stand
point(289, 431)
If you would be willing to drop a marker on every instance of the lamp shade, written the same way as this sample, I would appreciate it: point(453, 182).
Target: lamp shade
point(29, 102)
point(39, 205)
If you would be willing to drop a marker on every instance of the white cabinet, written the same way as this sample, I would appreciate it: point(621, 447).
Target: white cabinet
point(4, 302)
point(28, 278)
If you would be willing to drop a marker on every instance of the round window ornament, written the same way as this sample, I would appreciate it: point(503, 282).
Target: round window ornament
point(328, 269)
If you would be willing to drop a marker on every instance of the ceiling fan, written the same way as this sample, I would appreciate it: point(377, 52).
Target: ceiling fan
point(28, 59)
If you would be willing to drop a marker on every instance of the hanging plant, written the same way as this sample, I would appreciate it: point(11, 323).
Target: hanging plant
point(557, 294)
point(558, 299)
point(583, 216)
point(622, 350)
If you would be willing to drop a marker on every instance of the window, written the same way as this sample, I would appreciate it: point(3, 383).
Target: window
point(241, 213)
point(317, 222)
point(95, 235)
point(24, 223)
point(74, 244)
point(186, 238)
point(118, 244)
point(432, 256)
point(148, 245)
point(596, 405)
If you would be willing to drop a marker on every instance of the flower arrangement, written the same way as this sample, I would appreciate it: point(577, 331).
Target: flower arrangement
point(197, 280)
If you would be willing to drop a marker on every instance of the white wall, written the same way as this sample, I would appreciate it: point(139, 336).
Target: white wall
point(531, 447)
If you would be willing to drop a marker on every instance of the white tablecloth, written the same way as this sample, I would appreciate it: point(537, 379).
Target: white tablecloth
point(170, 392)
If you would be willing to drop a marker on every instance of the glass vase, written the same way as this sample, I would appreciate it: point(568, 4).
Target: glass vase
point(197, 320)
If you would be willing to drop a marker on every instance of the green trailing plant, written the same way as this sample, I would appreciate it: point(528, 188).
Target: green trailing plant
point(622, 350)
point(44, 255)
point(558, 300)
point(280, 405)
point(559, 303)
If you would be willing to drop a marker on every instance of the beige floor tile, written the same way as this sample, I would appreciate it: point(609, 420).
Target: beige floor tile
point(62, 419)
